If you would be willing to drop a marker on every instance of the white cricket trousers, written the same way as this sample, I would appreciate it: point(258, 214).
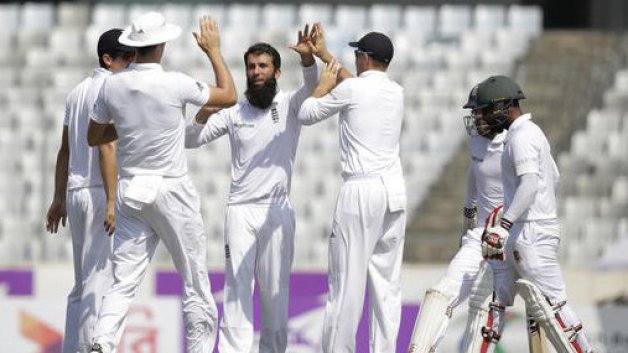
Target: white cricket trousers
point(91, 247)
point(365, 248)
point(532, 253)
point(461, 274)
point(259, 244)
point(173, 217)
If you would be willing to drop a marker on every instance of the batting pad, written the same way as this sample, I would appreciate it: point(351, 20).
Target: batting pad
point(540, 310)
point(479, 311)
point(431, 321)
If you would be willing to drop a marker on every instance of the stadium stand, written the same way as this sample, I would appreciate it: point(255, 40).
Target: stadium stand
point(441, 51)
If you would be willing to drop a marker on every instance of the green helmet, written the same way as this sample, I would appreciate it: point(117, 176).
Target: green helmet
point(496, 89)
point(472, 102)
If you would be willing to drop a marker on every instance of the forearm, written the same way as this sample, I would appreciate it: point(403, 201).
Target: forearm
point(224, 80)
point(108, 170)
point(326, 57)
point(470, 195)
point(61, 175)
point(524, 197)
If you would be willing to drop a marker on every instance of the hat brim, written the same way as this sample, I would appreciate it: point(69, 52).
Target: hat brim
point(353, 44)
point(168, 33)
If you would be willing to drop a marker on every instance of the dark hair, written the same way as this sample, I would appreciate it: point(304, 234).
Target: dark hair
point(263, 48)
point(143, 51)
point(114, 54)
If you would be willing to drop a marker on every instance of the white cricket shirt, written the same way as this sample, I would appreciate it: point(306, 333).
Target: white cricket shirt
point(263, 143)
point(371, 113)
point(485, 175)
point(147, 106)
point(84, 165)
point(528, 151)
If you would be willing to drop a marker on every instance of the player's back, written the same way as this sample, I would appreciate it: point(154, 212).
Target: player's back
point(84, 167)
point(370, 126)
point(147, 104)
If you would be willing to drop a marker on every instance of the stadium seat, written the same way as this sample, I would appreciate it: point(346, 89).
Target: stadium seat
point(106, 16)
point(488, 17)
point(528, 19)
point(279, 16)
point(312, 13)
point(244, 17)
point(216, 11)
point(180, 14)
point(385, 18)
point(10, 18)
point(351, 18)
point(72, 15)
point(420, 19)
point(453, 19)
point(37, 16)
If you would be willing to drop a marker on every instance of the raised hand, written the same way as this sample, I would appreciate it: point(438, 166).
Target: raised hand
point(317, 42)
point(328, 79)
point(303, 45)
point(209, 38)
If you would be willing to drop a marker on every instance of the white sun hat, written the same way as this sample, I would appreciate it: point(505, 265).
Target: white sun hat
point(149, 29)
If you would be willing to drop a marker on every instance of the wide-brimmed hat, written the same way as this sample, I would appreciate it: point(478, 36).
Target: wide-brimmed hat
point(149, 29)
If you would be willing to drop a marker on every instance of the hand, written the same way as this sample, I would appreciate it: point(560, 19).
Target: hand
point(209, 38)
point(110, 219)
point(494, 243)
point(303, 46)
point(56, 213)
point(328, 80)
point(317, 41)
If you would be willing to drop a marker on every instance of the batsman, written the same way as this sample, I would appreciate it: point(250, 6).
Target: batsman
point(483, 194)
point(523, 245)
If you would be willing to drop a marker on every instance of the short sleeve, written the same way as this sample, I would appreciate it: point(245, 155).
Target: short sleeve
point(66, 114)
point(526, 154)
point(100, 113)
point(193, 91)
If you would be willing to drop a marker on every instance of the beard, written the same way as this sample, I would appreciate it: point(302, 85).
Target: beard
point(261, 96)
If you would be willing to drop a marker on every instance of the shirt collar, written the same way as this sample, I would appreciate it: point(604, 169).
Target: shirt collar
point(145, 66)
point(373, 73)
point(99, 71)
point(497, 143)
point(520, 120)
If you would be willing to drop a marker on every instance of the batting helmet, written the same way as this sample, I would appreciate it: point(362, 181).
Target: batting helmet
point(494, 96)
point(497, 89)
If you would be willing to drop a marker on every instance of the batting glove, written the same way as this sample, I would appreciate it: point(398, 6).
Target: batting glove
point(494, 241)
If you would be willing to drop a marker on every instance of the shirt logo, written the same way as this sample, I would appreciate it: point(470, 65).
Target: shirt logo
point(477, 159)
point(227, 252)
point(274, 114)
point(199, 86)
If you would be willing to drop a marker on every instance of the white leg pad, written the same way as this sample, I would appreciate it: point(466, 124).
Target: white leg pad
point(541, 311)
point(479, 332)
point(536, 336)
point(432, 320)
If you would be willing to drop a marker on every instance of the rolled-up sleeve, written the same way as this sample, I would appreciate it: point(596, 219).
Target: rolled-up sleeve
point(314, 110)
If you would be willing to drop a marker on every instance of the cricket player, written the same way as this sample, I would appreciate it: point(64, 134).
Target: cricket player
point(483, 194)
point(259, 228)
point(156, 200)
point(523, 246)
point(81, 196)
point(368, 231)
